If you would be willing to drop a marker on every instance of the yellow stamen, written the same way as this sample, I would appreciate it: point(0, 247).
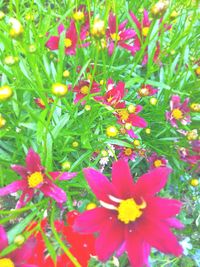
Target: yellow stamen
point(157, 163)
point(115, 36)
point(123, 114)
point(35, 179)
point(145, 31)
point(79, 15)
point(98, 28)
point(84, 90)
point(128, 151)
point(68, 42)
point(129, 210)
point(177, 114)
point(143, 92)
point(5, 262)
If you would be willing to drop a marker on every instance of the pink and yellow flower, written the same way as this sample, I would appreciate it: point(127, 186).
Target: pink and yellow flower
point(131, 217)
point(156, 161)
point(147, 90)
point(34, 178)
point(178, 112)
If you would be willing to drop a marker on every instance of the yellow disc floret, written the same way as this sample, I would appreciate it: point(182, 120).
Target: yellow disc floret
point(98, 28)
point(115, 36)
point(128, 151)
point(35, 179)
point(157, 163)
point(177, 114)
point(129, 210)
point(111, 131)
point(5, 262)
point(91, 206)
point(123, 114)
point(145, 31)
point(194, 182)
point(78, 15)
point(68, 42)
point(84, 90)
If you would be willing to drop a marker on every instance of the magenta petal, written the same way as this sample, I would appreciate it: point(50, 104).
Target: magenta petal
point(122, 25)
point(99, 184)
point(112, 23)
point(26, 196)
point(152, 182)
point(53, 43)
point(135, 20)
point(137, 121)
point(33, 162)
point(21, 170)
point(110, 239)
point(146, 21)
point(174, 223)
point(53, 191)
point(175, 102)
point(159, 236)
point(122, 178)
point(22, 254)
point(121, 250)
point(13, 187)
point(62, 176)
point(91, 221)
point(3, 238)
point(138, 250)
point(111, 47)
point(61, 28)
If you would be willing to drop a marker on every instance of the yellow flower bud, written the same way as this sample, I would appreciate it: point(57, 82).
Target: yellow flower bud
point(66, 73)
point(87, 107)
point(195, 107)
point(111, 131)
point(128, 126)
point(91, 206)
point(98, 28)
point(59, 89)
point(29, 17)
point(174, 14)
point(194, 182)
point(197, 71)
point(32, 48)
point(79, 15)
point(131, 108)
point(5, 92)
point(148, 130)
point(136, 143)
point(2, 121)
point(16, 28)
point(19, 240)
point(153, 101)
point(192, 135)
point(159, 8)
point(66, 165)
point(9, 60)
point(75, 144)
point(104, 153)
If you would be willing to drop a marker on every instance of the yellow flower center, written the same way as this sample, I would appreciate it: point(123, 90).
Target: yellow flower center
point(68, 42)
point(115, 36)
point(157, 163)
point(35, 179)
point(145, 31)
point(143, 92)
point(79, 15)
point(123, 114)
point(127, 151)
point(98, 28)
point(5, 262)
point(129, 211)
point(111, 131)
point(177, 114)
point(84, 90)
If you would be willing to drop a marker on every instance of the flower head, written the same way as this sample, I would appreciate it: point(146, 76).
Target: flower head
point(147, 90)
point(156, 161)
point(131, 217)
point(178, 112)
point(33, 179)
point(84, 88)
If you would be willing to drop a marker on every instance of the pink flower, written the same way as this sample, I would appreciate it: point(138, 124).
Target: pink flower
point(131, 217)
point(126, 153)
point(18, 257)
point(178, 112)
point(156, 161)
point(84, 88)
point(147, 90)
point(70, 39)
point(119, 35)
point(35, 179)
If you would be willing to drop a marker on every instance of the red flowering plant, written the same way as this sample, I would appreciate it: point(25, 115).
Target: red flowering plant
point(131, 217)
point(156, 161)
point(35, 179)
point(147, 90)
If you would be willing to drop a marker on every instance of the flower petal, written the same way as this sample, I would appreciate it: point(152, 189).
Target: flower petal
point(25, 198)
point(53, 43)
point(21, 170)
point(62, 175)
point(110, 239)
point(137, 121)
point(13, 187)
point(122, 178)
point(53, 191)
point(3, 238)
point(99, 184)
point(33, 162)
point(135, 20)
point(152, 182)
point(112, 23)
point(91, 220)
point(174, 223)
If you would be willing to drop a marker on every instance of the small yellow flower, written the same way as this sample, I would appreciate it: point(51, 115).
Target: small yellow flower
point(29, 17)
point(66, 165)
point(195, 107)
point(148, 130)
point(192, 135)
point(75, 144)
point(32, 48)
point(145, 31)
point(87, 107)
point(159, 8)
point(91, 206)
point(66, 73)
point(128, 126)
point(16, 28)
point(194, 182)
point(59, 89)
point(197, 71)
point(2, 121)
point(9, 60)
point(153, 101)
point(136, 143)
point(68, 42)
point(111, 131)
point(5, 92)
point(19, 240)
point(104, 153)
point(131, 108)
point(78, 15)
point(174, 14)
point(98, 28)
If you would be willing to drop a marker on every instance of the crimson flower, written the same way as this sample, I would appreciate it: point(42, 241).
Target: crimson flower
point(20, 256)
point(131, 217)
point(40, 103)
point(70, 39)
point(35, 179)
point(84, 88)
point(118, 36)
point(178, 112)
point(147, 90)
point(126, 153)
point(156, 161)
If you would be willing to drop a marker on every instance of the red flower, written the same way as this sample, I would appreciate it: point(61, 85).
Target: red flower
point(147, 90)
point(18, 257)
point(70, 39)
point(119, 35)
point(83, 89)
point(131, 217)
point(156, 161)
point(41, 103)
point(34, 178)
